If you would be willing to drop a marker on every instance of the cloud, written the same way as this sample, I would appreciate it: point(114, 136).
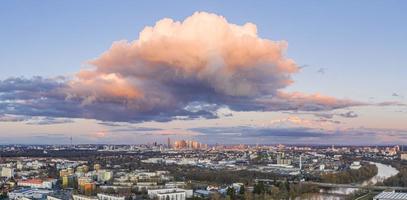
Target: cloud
point(391, 103)
point(48, 121)
point(303, 66)
point(173, 132)
point(326, 114)
point(321, 70)
point(349, 114)
point(135, 129)
point(300, 135)
point(12, 118)
point(397, 95)
point(297, 101)
point(34, 120)
point(250, 132)
point(174, 70)
point(99, 134)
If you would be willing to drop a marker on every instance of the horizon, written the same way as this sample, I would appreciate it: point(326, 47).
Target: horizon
point(215, 145)
point(216, 72)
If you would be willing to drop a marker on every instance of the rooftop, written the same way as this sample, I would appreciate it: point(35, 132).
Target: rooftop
point(391, 195)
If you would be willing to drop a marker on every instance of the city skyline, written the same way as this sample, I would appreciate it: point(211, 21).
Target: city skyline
point(264, 73)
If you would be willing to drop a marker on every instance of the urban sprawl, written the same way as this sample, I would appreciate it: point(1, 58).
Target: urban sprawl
point(185, 169)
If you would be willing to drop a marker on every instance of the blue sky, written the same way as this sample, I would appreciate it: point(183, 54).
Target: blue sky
point(352, 38)
point(359, 45)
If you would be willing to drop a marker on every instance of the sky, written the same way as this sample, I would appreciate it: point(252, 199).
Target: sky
point(131, 72)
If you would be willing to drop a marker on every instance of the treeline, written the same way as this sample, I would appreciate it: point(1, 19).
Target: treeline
point(282, 190)
point(218, 176)
point(366, 172)
point(399, 180)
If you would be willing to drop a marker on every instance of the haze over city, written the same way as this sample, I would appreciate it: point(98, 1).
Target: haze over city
point(265, 72)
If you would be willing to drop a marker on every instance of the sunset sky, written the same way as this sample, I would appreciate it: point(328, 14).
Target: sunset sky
point(130, 72)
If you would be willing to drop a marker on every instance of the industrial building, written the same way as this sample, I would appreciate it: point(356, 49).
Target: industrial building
point(391, 196)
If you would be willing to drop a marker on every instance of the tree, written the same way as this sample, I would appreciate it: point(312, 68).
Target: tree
point(259, 188)
point(242, 190)
point(231, 192)
point(248, 196)
point(215, 196)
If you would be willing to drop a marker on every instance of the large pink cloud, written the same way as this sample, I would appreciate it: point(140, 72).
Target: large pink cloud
point(230, 59)
point(179, 68)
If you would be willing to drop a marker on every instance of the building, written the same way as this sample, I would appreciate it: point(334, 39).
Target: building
point(82, 169)
point(37, 183)
point(110, 197)
point(28, 193)
point(146, 185)
point(173, 195)
point(175, 184)
point(86, 185)
point(82, 197)
point(51, 197)
point(390, 196)
point(104, 175)
point(355, 165)
point(97, 167)
point(68, 181)
point(202, 193)
point(98, 197)
point(188, 144)
point(60, 195)
point(7, 172)
point(282, 160)
point(170, 193)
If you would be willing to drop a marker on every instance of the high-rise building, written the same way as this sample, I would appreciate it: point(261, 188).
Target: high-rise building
point(104, 175)
point(188, 144)
point(97, 167)
point(86, 186)
point(7, 172)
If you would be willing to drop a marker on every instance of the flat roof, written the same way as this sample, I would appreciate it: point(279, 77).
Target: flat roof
point(391, 195)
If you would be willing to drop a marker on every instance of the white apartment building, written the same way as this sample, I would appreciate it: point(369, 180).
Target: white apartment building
point(171, 193)
point(49, 197)
point(82, 197)
point(355, 165)
point(109, 197)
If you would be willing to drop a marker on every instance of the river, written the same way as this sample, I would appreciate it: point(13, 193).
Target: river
point(383, 172)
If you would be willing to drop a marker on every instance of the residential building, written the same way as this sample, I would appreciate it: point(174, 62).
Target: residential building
point(83, 197)
point(355, 165)
point(37, 183)
point(110, 197)
point(28, 193)
point(171, 193)
point(7, 172)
